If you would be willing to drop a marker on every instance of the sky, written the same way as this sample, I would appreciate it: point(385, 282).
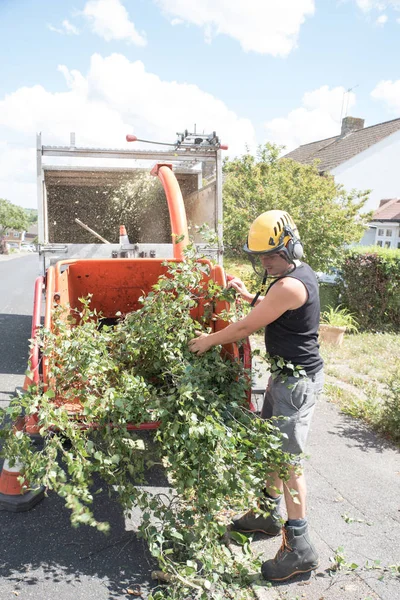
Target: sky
point(254, 71)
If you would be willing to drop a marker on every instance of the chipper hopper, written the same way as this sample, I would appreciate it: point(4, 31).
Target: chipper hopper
point(117, 273)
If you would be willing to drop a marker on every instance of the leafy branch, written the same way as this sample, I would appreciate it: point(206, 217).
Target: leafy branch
point(103, 378)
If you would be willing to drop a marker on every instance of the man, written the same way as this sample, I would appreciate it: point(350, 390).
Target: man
point(290, 314)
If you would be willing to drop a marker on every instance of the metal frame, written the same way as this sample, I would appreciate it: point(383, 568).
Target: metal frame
point(183, 154)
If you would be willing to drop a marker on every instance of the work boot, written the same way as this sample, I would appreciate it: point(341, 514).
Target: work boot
point(252, 522)
point(296, 555)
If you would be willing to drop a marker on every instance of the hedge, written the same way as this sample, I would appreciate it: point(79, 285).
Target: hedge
point(329, 295)
point(370, 286)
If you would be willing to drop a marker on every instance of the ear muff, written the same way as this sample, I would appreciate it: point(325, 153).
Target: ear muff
point(294, 246)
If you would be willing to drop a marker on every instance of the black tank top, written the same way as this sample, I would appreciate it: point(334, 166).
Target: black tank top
point(294, 335)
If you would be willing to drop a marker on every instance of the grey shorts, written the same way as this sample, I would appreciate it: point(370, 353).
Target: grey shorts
point(293, 398)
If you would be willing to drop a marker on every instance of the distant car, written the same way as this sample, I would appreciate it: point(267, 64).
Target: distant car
point(28, 247)
point(331, 277)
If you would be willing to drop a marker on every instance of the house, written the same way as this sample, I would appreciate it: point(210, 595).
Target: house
point(364, 158)
point(384, 229)
point(32, 234)
point(14, 238)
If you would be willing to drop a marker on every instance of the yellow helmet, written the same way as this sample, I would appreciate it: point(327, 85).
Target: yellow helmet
point(273, 231)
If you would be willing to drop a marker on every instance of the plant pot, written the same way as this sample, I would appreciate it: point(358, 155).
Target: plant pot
point(331, 334)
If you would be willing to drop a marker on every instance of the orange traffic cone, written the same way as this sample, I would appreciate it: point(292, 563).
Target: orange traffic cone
point(15, 496)
point(123, 236)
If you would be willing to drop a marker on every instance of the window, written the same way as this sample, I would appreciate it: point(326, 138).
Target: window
point(387, 237)
point(16, 234)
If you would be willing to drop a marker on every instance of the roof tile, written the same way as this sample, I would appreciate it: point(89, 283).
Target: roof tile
point(389, 211)
point(334, 151)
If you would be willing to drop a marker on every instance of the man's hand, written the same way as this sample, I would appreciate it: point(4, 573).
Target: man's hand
point(200, 344)
point(238, 285)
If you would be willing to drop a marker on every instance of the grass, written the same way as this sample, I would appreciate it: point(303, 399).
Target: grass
point(364, 379)
point(363, 358)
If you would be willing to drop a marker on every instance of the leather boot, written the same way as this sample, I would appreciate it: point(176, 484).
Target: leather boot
point(251, 522)
point(296, 555)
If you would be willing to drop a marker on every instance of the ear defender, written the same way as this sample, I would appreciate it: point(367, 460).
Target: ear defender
point(294, 246)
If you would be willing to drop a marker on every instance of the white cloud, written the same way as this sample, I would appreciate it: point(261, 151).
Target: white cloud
point(17, 174)
point(318, 118)
point(368, 5)
point(382, 19)
point(66, 28)
point(114, 98)
point(17, 192)
point(388, 92)
point(69, 28)
point(18, 160)
point(263, 26)
point(110, 20)
point(55, 29)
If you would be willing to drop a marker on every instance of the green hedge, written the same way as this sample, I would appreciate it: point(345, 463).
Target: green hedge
point(329, 295)
point(370, 286)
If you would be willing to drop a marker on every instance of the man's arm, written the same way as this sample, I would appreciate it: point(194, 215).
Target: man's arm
point(285, 294)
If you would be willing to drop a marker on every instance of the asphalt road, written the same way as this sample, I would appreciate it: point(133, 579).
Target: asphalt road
point(17, 278)
point(41, 555)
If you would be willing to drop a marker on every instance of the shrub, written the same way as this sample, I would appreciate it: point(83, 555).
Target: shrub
point(370, 287)
point(329, 295)
point(389, 422)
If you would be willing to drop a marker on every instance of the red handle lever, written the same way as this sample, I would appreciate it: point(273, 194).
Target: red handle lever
point(131, 138)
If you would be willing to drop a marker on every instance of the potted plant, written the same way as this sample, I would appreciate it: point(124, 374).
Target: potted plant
point(334, 322)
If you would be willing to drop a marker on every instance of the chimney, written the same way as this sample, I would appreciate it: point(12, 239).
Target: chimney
point(351, 124)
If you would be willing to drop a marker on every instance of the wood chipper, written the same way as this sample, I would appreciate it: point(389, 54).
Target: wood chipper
point(108, 229)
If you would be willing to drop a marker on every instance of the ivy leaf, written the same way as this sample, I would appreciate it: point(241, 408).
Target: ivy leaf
point(238, 537)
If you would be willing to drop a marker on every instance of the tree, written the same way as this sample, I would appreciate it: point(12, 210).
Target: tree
point(328, 217)
point(12, 217)
point(32, 215)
